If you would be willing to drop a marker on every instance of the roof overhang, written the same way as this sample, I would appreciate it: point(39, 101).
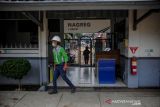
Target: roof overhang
point(79, 5)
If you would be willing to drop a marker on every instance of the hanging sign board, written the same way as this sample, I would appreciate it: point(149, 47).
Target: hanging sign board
point(85, 26)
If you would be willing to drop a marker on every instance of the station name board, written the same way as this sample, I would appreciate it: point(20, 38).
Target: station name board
point(85, 26)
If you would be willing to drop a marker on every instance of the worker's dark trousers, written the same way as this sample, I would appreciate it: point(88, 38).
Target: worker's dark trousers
point(59, 71)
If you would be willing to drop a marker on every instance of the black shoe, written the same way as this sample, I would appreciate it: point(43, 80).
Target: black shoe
point(73, 90)
point(52, 92)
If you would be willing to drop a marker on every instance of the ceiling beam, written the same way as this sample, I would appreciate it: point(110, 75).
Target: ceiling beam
point(136, 20)
point(34, 19)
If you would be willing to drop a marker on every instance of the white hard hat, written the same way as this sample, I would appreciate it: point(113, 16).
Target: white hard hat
point(56, 38)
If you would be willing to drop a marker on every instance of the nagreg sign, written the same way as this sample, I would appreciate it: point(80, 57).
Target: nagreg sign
point(85, 26)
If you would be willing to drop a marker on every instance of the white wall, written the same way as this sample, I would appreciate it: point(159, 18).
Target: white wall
point(147, 35)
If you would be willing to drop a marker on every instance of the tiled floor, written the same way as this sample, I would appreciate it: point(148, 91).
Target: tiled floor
point(85, 77)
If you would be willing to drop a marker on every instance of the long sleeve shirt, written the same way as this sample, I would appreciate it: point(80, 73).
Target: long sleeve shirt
point(60, 55)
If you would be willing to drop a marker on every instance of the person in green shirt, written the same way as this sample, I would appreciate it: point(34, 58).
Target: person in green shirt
point(60, 65)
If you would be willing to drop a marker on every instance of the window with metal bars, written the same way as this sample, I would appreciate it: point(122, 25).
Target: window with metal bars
point(18, 34)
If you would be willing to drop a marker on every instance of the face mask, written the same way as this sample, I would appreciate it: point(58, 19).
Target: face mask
point(54, 44)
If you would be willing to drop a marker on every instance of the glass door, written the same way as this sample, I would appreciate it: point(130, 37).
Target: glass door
point(72, 49)
point(83, 47)
point(86, 51)
point(79, 49)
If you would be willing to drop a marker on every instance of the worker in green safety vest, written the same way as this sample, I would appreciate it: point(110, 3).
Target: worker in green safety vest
point(60, 65)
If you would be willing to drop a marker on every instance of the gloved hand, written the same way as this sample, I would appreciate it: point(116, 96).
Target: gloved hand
point(65, 67)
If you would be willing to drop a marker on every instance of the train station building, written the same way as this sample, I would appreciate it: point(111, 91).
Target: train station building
point(119, 30)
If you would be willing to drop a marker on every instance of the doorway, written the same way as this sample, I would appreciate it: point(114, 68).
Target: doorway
point(76, 44)
point(84, 74)
point(75, 47)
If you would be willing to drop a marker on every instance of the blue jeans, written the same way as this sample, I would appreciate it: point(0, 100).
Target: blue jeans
point(59, 71)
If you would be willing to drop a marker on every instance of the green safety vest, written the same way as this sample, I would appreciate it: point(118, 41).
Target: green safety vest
point(60, 55)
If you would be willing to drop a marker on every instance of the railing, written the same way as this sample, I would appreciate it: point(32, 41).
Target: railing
point(18, 46)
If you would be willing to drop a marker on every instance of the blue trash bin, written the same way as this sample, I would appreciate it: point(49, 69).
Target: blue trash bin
point(106, 71)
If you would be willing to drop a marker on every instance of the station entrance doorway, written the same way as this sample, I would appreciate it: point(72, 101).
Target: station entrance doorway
point(98, 37)
point(82, 47)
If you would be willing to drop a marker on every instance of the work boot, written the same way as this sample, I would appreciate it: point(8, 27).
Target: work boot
point(52, 92)
point(73, 90)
